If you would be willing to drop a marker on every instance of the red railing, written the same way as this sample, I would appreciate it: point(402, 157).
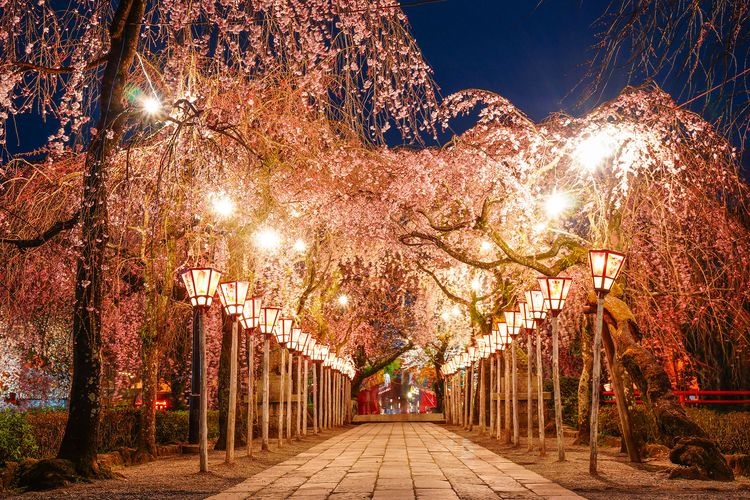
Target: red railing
point(693, 397)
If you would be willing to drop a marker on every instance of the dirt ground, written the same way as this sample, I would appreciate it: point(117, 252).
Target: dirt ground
point(618, 478)
point(178, 476)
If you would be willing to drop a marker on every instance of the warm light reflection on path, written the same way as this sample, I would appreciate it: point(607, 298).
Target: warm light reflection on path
point(397, 461)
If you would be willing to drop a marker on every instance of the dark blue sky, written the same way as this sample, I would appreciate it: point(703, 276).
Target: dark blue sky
point(533, 54)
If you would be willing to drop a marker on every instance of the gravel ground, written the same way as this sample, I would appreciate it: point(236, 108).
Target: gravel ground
point(618, 478)
point(178, 476)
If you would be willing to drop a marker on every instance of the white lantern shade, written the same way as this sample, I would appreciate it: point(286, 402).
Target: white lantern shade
point(232, 295)
point(251, 313)
point(555, 292)
point(283, 330)
point(605, 267)
point(201, 283)
point(268, 318)
point(535, 304)
point(515, 321)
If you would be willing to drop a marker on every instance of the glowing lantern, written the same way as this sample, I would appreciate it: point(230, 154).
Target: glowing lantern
point(515, 321)
point(535, 305)
point(268, 318)
point(555, 292)
point(528, 318)
point(605, 266)
point(251, 313)
point(201, 283)
point(283, 330)
point(232, 295)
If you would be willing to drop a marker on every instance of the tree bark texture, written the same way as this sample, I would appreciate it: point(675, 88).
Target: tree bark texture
point(80, 440)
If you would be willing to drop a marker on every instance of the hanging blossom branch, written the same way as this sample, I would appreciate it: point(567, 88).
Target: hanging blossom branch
point(44, 237)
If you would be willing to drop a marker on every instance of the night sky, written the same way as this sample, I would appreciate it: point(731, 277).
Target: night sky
point(533, 53)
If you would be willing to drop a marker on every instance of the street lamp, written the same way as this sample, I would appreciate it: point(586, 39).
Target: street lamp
point(232, 295)
point(283, 334)
point(201, 286)
point(535, 306)
point(267, 323)
point(515, 321)
point(555, 292)
point(302, 343)
point(605, 267)
point(250, 320)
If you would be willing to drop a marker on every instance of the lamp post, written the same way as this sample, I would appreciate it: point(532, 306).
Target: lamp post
point(268, 318)
point(250, 320)
point(232, 295)
point(283, 332)
point(301, 348)
point(528, 325)
point(503, 344)
point(555, 293)
point(201, 286)
point(483, 344)
point(514, 320)
point(605, 266)
point(292, 347)
point(535, 305)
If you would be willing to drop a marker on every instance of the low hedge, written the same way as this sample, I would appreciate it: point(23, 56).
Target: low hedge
point(731, 430)
point(38, 433)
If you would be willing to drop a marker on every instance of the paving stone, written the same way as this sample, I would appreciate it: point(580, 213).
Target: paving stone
point(393, 462)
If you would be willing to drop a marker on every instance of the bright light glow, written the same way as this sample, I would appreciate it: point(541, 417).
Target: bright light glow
point(300, 246)
point(476, 284)
point(556, 204)
point(456, 311)
point(539, 227)
point(151, 105)
point(222, 205)
point(268, 239)
point(343, 300)
point(485, 246)
point(445, 316)
point(592, 151)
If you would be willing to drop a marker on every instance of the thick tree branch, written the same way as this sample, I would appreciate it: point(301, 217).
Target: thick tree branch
point(54, 230)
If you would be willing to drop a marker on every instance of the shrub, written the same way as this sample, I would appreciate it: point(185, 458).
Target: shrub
point(118, 429)
point(48, 427)
point(172, 426)
point(731, 430)
point(569, 399)
point(16, 436)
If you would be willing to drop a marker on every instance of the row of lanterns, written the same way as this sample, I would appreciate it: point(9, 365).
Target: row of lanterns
point(549, 299)
point(249, 313)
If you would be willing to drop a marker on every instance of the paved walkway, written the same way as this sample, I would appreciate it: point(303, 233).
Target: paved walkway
point(397, 461)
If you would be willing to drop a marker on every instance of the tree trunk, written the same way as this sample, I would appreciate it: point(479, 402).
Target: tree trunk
point(675, 428)
point(584, 387)
point(80, 441)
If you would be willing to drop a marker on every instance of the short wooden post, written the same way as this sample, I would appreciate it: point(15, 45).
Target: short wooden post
point(596, 373)
point(265, 413)
point(203, 403)
point(466, 389)
point(250, 390)
point(540, 389)
point(232, 413)
point(282, 370)
point(556, 383)
point(529, 396)
point(514, 382)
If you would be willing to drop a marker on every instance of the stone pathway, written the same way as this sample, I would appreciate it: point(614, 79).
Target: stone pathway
point(397, 461)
